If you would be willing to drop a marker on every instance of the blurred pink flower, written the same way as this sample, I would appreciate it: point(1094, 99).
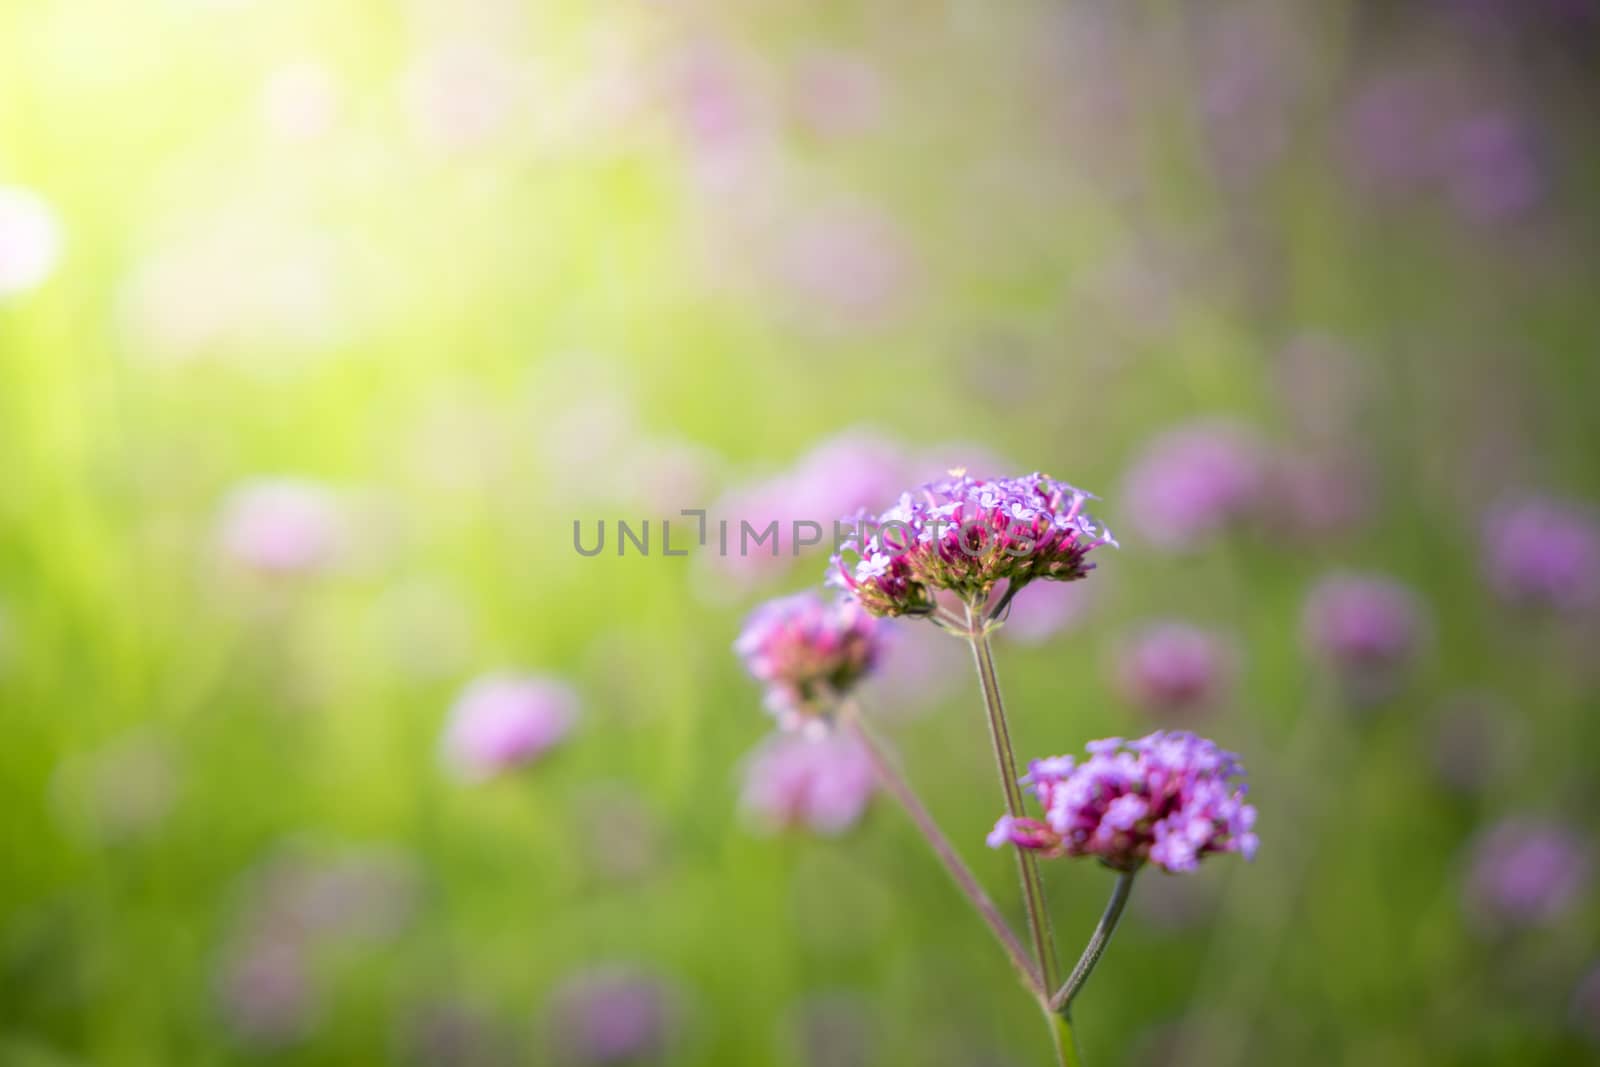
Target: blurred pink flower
point(846, 267)
point(1527, 871)
point(1317, 495)
point(283, 526)
point(1047, 610)
point(1193, 482)
point(1174, 670)
point(461, 94)
point(837, 94)
point(503, 722)
point(300, 101)
point(821, 784)
point(30, 241)
point(613, 1014)
point(1543, 552)
point(1368, 629)
point(265, 994)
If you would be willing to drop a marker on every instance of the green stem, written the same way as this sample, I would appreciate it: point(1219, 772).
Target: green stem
point(1027, 864)
point(895, 784)
point(1062, 1001)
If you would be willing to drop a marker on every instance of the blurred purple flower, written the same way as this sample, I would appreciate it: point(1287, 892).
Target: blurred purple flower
point(503, 722)
point(612, 1015)
point(1317, 495)
point(846, 267)
point(915, 668)
point(1368, 629)
point(809, 653)
point(1392, 131)
point(840, 475)
point(1527, 871)
point(1168, 798)
point(1544, 552)
point(265, 994)
point(371, 893)
point(838, 95)
point(1176, 670)
point(1048, 610)
point(1492, 171)
point(1191, 483)
point(283, 526)
point(795, 782)
point(30, 241)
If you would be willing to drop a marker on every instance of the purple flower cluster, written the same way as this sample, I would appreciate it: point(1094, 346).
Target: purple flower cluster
point(966, 536)
point(1544, 553)
point(809, 652)
point(1168, 798)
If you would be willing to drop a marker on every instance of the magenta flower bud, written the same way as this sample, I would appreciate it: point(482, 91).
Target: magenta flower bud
point(1367, 629)
point(1544, 553)
point(283, 526)
point(1192, 483)
point(966, 536)
point(503, 722)
point(1527, 871)
point(809, 653)
point(612, 1015)
point(1173, 668)
point(1167, 799)
point(794, 782)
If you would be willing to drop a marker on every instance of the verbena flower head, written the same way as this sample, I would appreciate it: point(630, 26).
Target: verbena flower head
point(820, 784)
point(1527, 871)
point(502, 722)
point(809, 652)
point(1368, 629)
point(1193, 482)
point(1175, 668)
point(967, 536)
point(1169, 799)
point(1544, 553)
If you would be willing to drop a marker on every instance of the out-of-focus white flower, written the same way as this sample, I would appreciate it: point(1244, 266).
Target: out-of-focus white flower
point(30, 241)
point(300, 101)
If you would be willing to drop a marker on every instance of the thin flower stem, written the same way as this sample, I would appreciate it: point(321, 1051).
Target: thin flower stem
point(1062, 1001)
point(892, 780)
point(1027, 865)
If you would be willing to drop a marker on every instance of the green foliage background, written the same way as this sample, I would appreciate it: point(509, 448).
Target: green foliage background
point(1090, 249)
